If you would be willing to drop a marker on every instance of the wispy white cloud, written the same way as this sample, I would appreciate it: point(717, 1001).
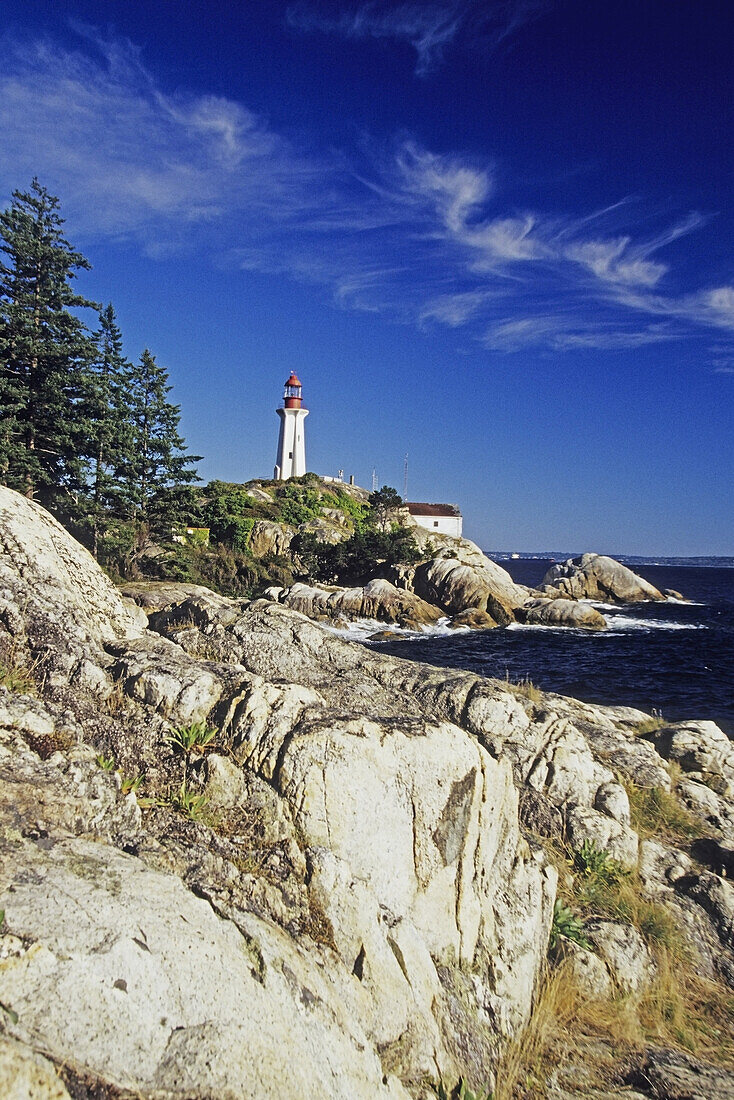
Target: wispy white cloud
point(568, 330)
point(611, 261)
point(455, 310)
point(428, 238)
point(428, 27)
point(132, 159)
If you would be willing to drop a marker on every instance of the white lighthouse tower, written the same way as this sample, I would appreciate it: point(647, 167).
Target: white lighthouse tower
point(292, 438)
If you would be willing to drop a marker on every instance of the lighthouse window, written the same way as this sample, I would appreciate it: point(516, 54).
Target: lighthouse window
point(435, 523)
point(290, 454)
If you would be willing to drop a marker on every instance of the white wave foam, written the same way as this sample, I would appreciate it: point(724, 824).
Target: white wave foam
point(362, 630)
point(616, 624)
point(622, 623)
point(549, 627)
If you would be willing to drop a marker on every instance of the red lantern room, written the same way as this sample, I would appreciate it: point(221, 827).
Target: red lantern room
point(292, 393)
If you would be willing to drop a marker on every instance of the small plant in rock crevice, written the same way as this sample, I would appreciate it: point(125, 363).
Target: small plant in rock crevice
point(130, 783)
point(106, 763)
point(599, 874)
point(189, 740)
point(594, 862)
point(193, 738)
point(18, 679)
point(191, 805)
point(566, 925)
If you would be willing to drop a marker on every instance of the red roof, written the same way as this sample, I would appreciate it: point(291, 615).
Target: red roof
point(420, 509)
point(294, 380)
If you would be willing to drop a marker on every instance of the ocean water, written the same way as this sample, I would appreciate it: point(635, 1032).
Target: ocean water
point(675, 658)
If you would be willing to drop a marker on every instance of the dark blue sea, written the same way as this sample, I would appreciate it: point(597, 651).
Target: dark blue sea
point(674, 658)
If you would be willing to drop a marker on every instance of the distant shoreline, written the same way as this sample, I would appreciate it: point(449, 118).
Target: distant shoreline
point(699, 562)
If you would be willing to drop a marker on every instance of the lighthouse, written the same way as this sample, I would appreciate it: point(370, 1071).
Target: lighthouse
point(292, 438)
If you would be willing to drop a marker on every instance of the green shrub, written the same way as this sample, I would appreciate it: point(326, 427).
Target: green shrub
point(297, 503)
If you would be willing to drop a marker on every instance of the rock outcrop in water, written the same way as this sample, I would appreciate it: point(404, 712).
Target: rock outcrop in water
point(348, 891)
point(460, 582)
point(595, 577)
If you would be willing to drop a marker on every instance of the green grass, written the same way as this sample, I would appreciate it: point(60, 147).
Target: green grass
point(106, 763)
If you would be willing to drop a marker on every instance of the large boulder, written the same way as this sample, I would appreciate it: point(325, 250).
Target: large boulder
point(379, 599)
point(459, 577)
point(58, 609)
point(456, 587)
point(596, 577)
point(267, 538)
point(343, 871)
point(542, 612)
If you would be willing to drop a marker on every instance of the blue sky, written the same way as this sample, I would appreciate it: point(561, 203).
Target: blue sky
point(495, 236)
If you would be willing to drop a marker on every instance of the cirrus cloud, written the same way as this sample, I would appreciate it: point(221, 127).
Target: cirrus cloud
point(429, 238)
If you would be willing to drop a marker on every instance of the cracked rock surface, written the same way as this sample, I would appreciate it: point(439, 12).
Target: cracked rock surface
point(343, 893)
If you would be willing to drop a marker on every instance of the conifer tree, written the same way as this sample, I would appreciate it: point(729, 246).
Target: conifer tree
point(44, 350)
point(156, 478)
point(109, 427)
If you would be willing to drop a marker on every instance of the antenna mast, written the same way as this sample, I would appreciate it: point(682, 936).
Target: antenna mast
point(374, 480)
point(405, 477)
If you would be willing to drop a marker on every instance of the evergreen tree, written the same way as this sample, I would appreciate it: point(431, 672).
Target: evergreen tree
point(384, 505)
point(109, 428)
point(45, 351)
point(157, 476)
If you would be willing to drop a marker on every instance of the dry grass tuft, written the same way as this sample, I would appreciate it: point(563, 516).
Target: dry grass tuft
point(524, 689)
point(657, 812)
point(649, 725)
point(18, 676)
point(686, 1010)
point(116, 701)
point(680, 1009)
point(526, 1062)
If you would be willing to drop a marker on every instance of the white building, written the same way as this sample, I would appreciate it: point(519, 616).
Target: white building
point(444, 519)
point(291, 460)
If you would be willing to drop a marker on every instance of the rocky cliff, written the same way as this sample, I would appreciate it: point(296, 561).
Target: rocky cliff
point(240, 857)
